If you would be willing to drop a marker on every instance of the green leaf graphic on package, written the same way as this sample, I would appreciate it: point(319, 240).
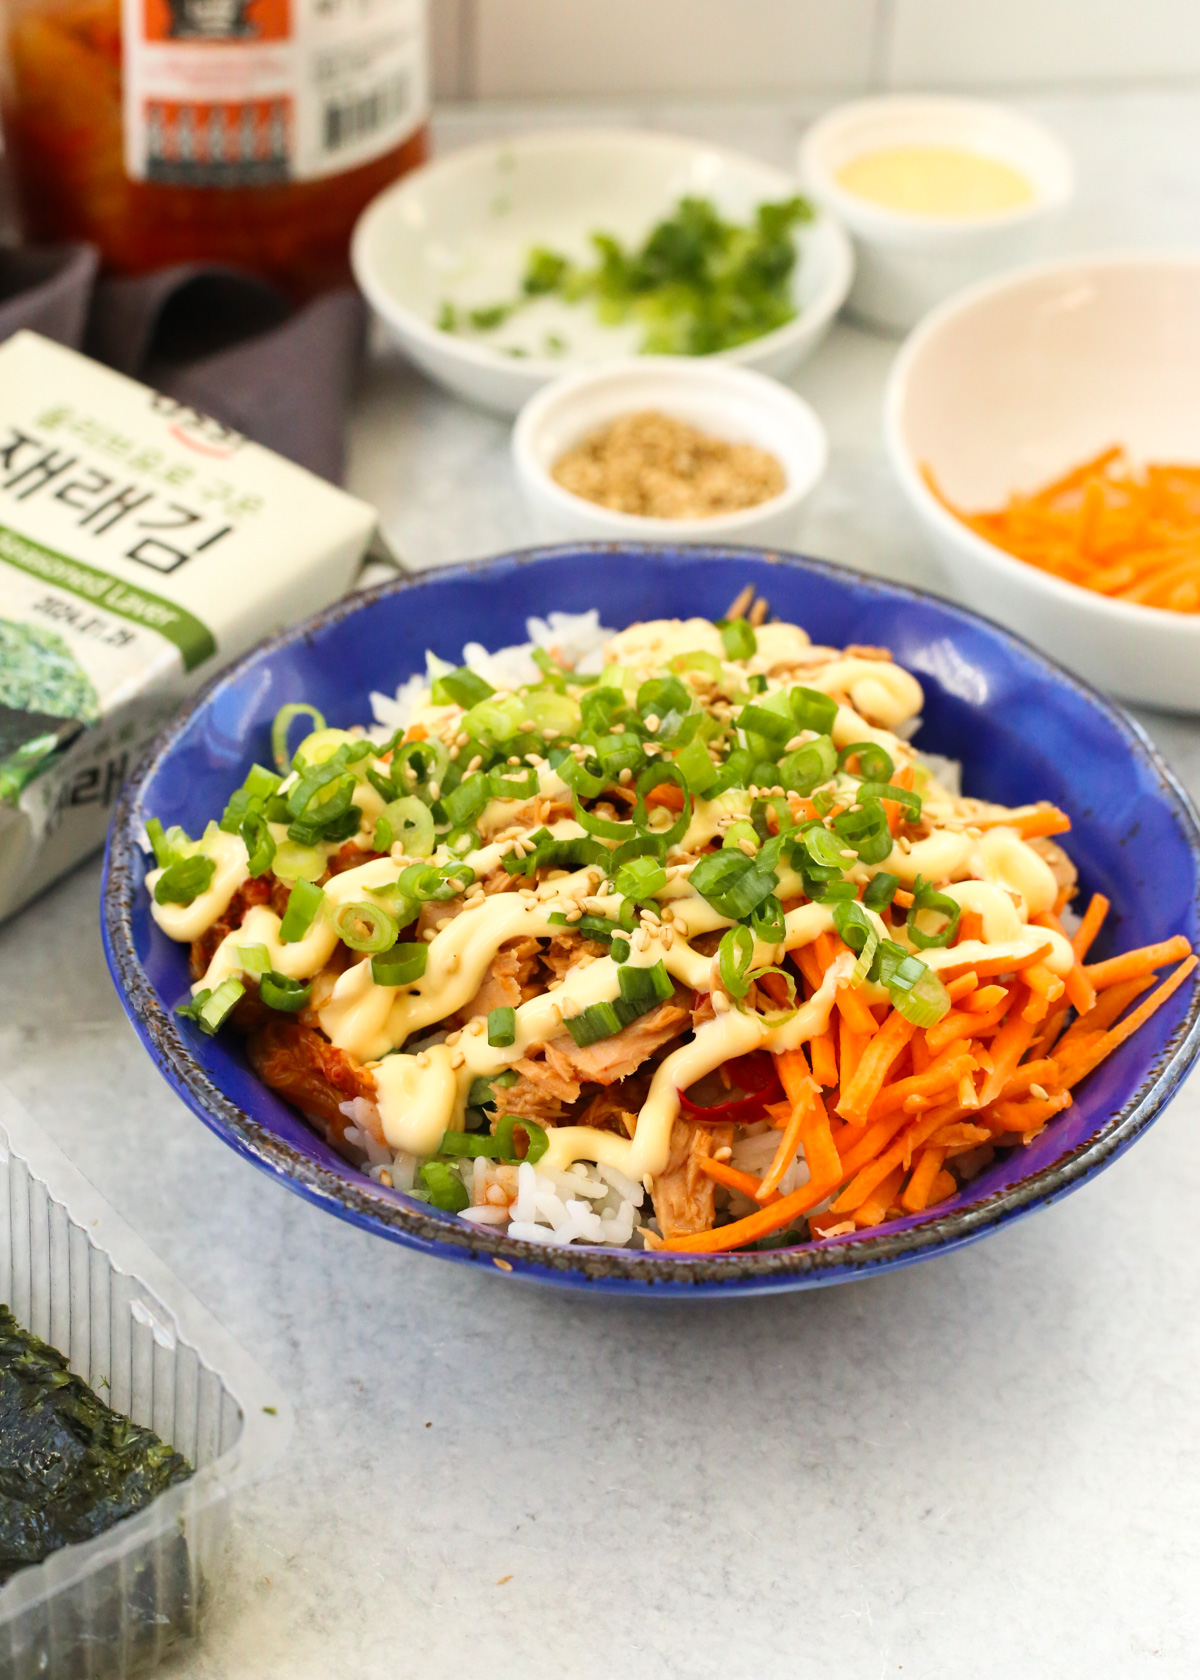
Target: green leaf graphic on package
point(45, 698)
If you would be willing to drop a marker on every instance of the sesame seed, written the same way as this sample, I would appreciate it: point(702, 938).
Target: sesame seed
point(847, 852)
point(512, 759)
point(435, 790)
point(471, 767)
point(748, 846)
point(429, 935)
point(423, 1059)
point(725, 1153)
point(1040, 1092)
point(642, 939)
point(456, 1060)
point(625, 776)
point(575, 914)
point(668, 913)
point(453, 753)
point(526, 726)
point(680, 926)
point(668, 938)
point(550, 733)
point(451, 964)
point(453, 1038)
point(796, 742)
point(652, 723)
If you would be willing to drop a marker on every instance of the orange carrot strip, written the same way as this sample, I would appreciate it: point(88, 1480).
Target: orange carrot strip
point(1090, 926)
point(1008, 1046)
point(874, 1210)
point(985, 966)
point(731, 1176)
point(806, 961)
point(959, 1136)
point(1036, 825)
point(824, 1060)
point(667, 794)
point(1049, 1030)
point(1109, 1004)
point(893, 810)
point(851, 1045)
point(985, 998)
point(1081, 994)
point(916, 1191)
point(873, 1067)
point(970, 926)
point(1044, 981)
point(898, 1154)
point(1095, 1053)
point(949, 1068)
point(800, 1092)
point(793, 1070)
point(1043, 1071)
point(822, 1225)
point(1133, 963)
point(961, 1023)
point(854, 1012)
point(944, 1185)
point(964, 985)
point(1032, 1115)
point(754, 1225)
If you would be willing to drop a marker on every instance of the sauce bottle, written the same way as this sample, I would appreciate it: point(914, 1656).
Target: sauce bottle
point(242, 131)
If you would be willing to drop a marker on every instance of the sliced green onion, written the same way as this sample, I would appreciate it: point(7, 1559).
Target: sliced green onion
point(549, 711)
point(646, 986)
point(926, 900)
point(259, 843)
point(738, 637)
point(734, 956)
point(698, 769)
point(506, 1127)
point(737, 832)
point(463, 687)
point(407, 820)
point(492, 721)
point(732, 883)
point(874, 764)
point(659, 775)
point(880, 890)
point(210, 1010)
point(501, 1028)
point(777, 1017)
point(284, 718)
point(602, 826)
point(444, 1187)
point(260, 782)
point(320, 746)
point(501, 785)
point(294, 862)
point(550, 669)
point(184, 880)
point(597, 1021)
point(765, 723)
point(280, 991)
point(304, 901)
point(662, 697)
point(823, 846)
point(619, 949)
point(468, 799)
point(810, 765)
point(862, 968)
point(583, 782)
point(400, 966)
point(767, 921)
point(812, 709)
point(364, 927)
point(255, 959)
point(641, 846)
point(924, 1002)
point(164, 854)
point(911, 801)
point(853, 925)
point(866, 831)
point(640, 878)
point(620, 752)
point(419, 765)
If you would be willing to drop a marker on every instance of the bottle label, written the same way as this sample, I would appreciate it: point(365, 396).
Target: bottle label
point(244, 93)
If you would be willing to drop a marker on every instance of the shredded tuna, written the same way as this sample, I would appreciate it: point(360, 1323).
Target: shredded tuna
point(565, 950)
point(260, 889)
point(683, 1193)
point(350, 856)
point(1061, 867)
point(302, 1065)
point(507, 981)
point(610, 1059)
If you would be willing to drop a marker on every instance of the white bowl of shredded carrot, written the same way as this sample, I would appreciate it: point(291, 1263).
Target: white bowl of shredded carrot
point(1045, 427)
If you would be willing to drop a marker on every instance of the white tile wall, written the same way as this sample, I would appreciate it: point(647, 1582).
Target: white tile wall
point(606, 49)
point(973, 43)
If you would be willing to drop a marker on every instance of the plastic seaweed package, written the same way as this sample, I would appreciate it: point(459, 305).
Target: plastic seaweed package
point(142, 546)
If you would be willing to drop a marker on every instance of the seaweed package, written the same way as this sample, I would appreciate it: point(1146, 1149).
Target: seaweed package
point(142, 546)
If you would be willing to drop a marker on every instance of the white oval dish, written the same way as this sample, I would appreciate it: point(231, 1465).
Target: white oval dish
point(731, 403)
point(1017, 381)
point(461, 229)
point(906, 263)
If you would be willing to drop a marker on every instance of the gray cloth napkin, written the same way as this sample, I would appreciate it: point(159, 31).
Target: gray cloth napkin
point(218, 339)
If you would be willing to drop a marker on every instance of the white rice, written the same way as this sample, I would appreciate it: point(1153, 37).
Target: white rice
point(576, 637)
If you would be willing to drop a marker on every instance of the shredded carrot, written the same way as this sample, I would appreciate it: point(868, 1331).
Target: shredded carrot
point(873, 1066)
point(1133, 963)
point(1105, 527)
point(1081, 994)
point(1108, 1005)
point(774, 1218)
point(807, 962)
point(801, 1093)
point(1043, 1071)
point(1090, 926)
point(1031, 1115)
point(960, 1021)
point(985, 998)
point(666, 793)
point(964, 985)
point(1008, 1046)
point(1041, 823)
point(823, 1225)
point(851, 1045)
point(1095, 1053)
point(1044, 981)
point(876, 1206)
point(824, 1059)
point(855, 1013)
point(970, 926)
point(723, 1173)
point(898, 1154)
point(940, 1076)
point(893, 810)
point(959, 1136)
point(944, 1185)
point(916, 1191)
point(415, 732)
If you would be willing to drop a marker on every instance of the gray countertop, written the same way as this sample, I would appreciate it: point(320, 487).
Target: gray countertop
point(984, 1466)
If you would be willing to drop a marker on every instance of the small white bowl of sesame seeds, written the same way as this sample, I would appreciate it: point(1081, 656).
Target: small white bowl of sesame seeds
point(669, 448)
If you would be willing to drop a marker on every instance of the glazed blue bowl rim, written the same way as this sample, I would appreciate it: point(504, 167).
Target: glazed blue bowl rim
point(360, 1201)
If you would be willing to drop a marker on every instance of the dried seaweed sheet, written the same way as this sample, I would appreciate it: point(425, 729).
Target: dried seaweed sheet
point(70, 1467)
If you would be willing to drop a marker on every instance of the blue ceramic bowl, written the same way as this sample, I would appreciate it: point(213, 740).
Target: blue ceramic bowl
point(1023, 728)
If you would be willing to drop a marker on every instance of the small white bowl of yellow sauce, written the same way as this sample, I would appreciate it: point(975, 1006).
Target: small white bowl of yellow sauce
point(937, 193)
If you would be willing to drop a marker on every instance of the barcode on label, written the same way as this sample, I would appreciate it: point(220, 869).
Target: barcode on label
point(351, 120)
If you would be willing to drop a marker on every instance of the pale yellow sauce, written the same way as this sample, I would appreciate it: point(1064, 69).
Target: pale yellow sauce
point(945, 181)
